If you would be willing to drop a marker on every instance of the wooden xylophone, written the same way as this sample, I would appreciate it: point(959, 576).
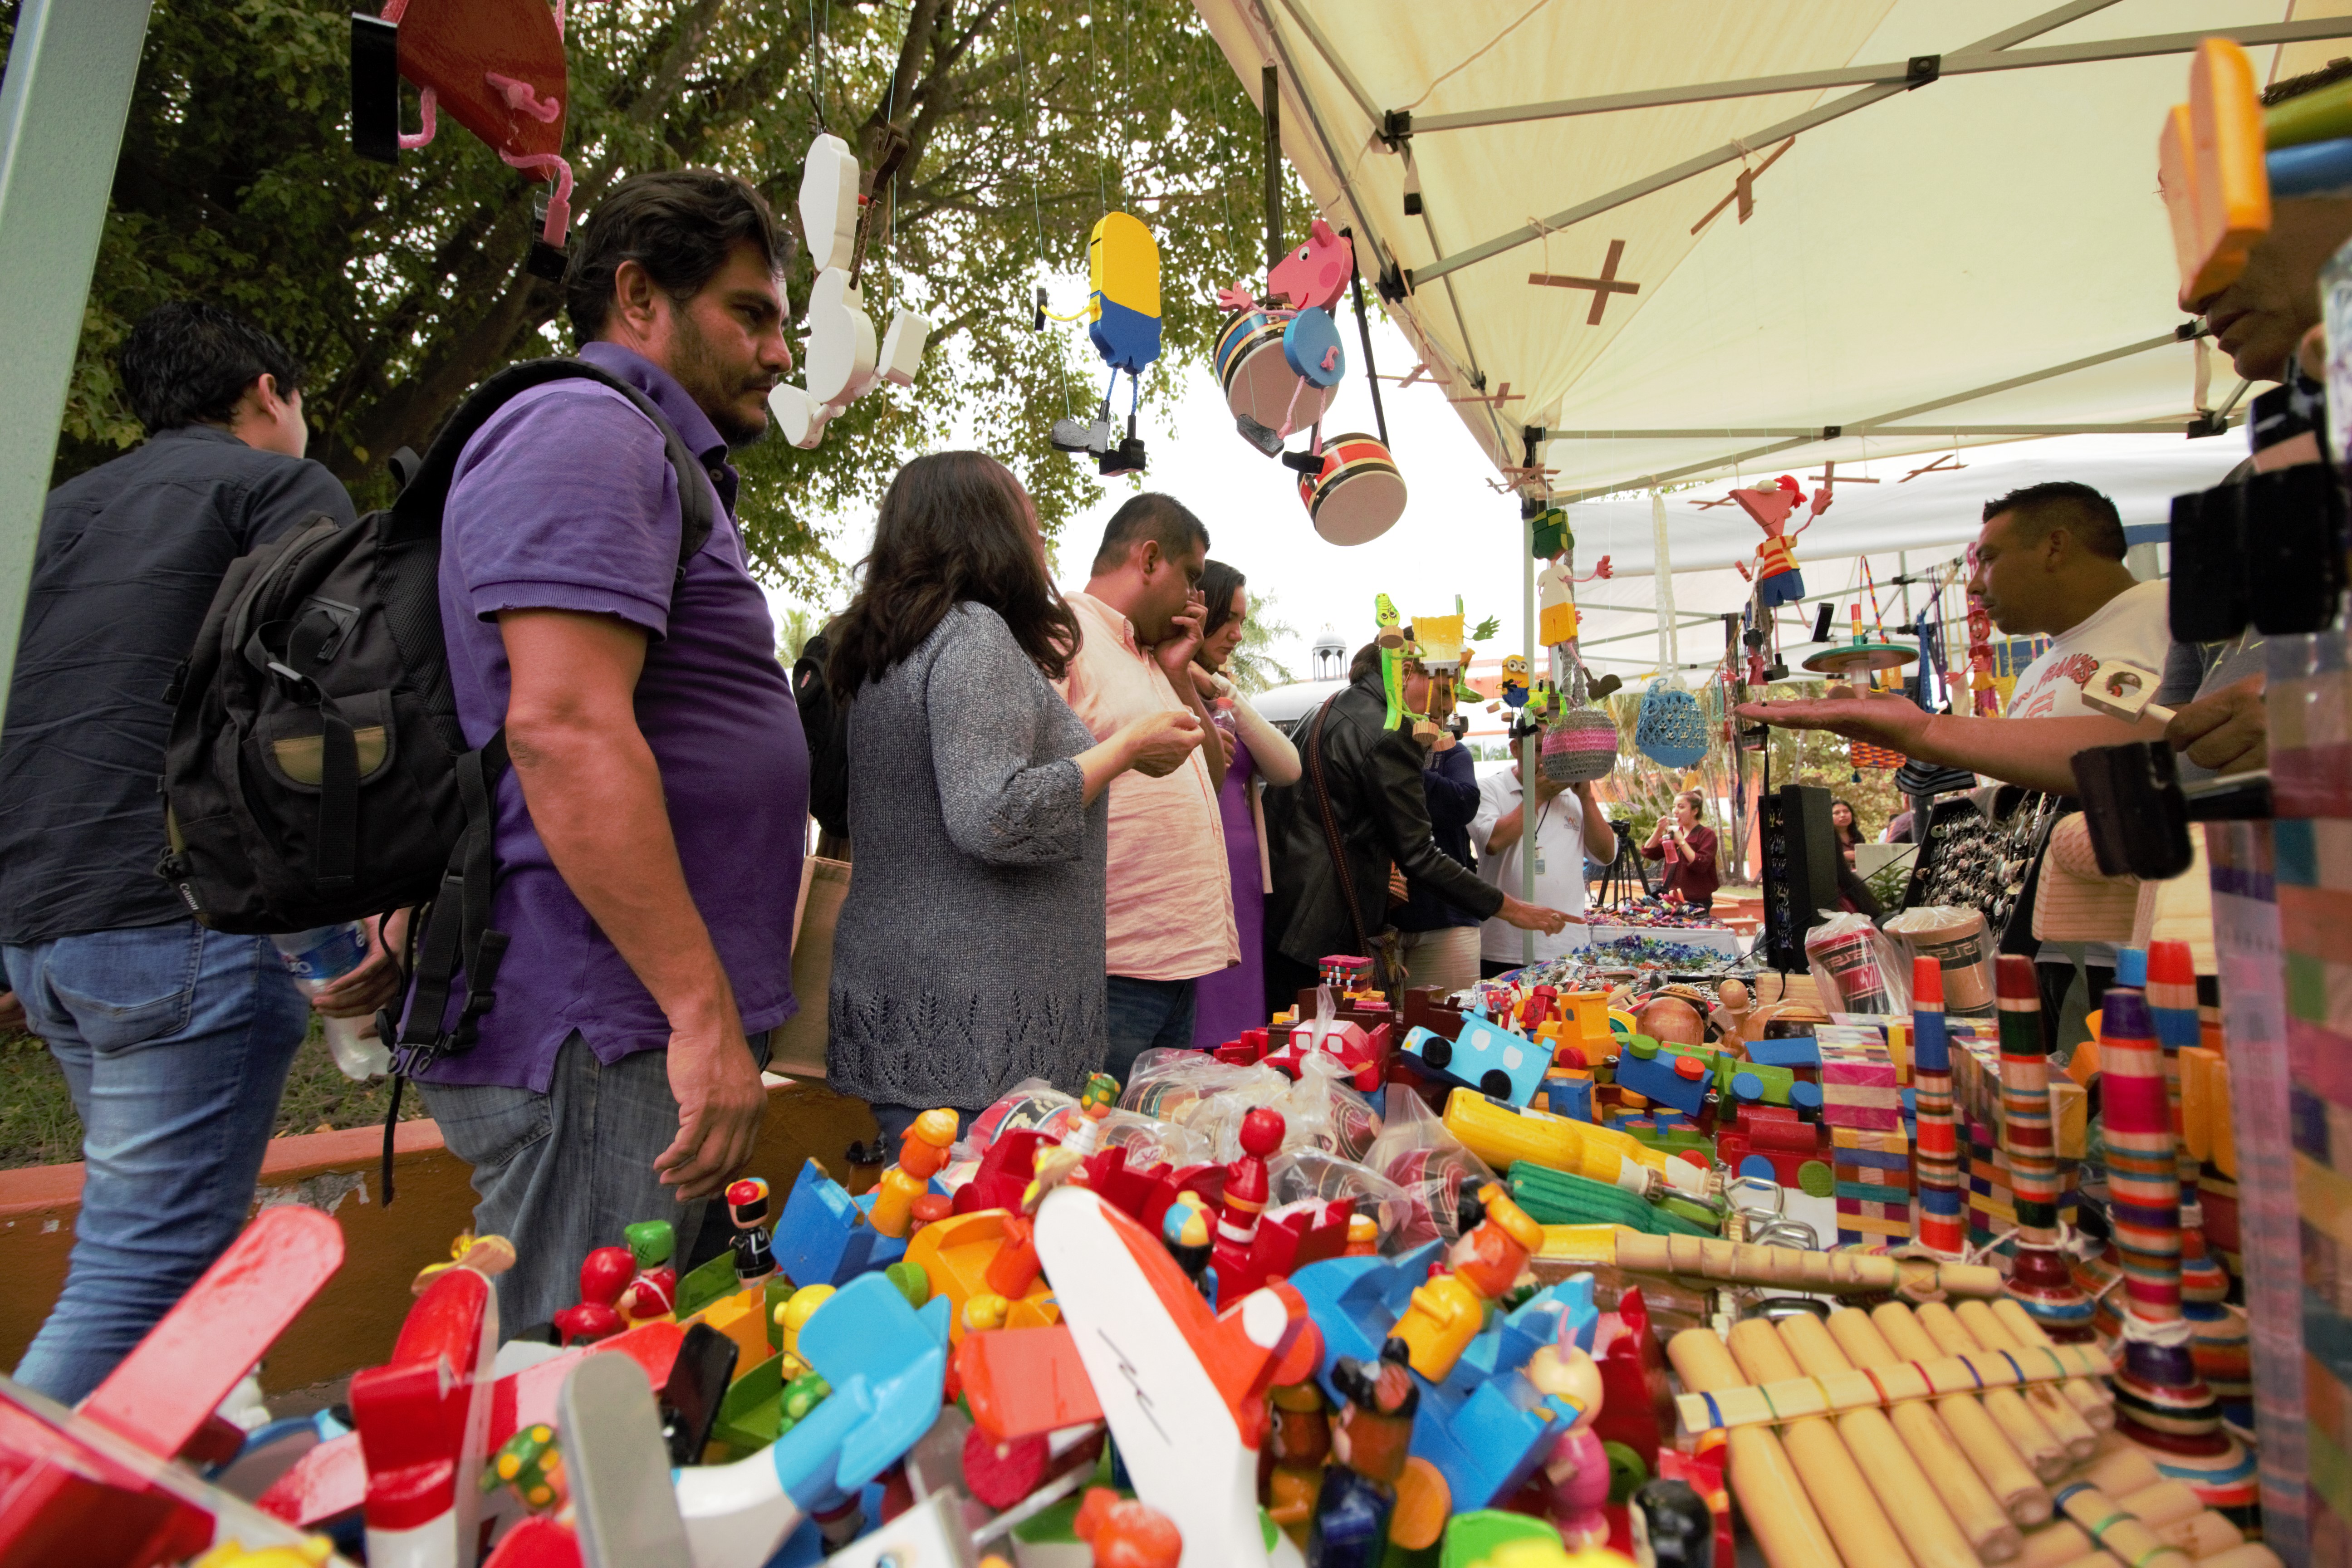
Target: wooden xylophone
point(1796, 1269)
point(1939, 1437)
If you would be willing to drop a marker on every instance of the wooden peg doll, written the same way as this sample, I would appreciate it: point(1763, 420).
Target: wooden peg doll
point(1246, 1179)
point(1576, 1468)
point(747, 1206)
point(922, 1154)
point(604, 1275)
point(1299, 1442)
point(1370, 1442)
point(1096, 1103)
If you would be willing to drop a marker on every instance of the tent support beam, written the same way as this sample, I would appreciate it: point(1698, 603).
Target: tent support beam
point(1868, 426)
point(1836, 432)
point(1820, 114)
point(1898, 73)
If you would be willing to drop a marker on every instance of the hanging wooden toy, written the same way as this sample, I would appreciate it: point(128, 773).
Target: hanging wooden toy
point(840, 361)
point(1512, 689)
point(1123, 323)
point(1777, 581)
point(1671, 732)
point(1280, 358)
point(1356, 493)
point(1863, 657)
point(497, 65)
point(1395, 650)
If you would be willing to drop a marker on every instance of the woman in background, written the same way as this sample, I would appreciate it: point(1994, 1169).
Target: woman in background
point(1687, 847)
point(1848, 831)
point(1233, 999)
point(969, 949)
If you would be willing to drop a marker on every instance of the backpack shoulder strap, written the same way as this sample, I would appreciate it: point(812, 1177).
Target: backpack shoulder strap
point(421, 500)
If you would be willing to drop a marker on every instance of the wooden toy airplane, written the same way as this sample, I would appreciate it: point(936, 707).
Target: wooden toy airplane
point(887, 1364)
point(1181, 1387)
point(843, 363)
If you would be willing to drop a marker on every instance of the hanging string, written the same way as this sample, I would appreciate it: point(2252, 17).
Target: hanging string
point(1474, 60)
point(1037, 207)
point(1094, 63)
point(816, 65)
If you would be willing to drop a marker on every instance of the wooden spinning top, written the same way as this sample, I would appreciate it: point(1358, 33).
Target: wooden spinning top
point(1861, 655)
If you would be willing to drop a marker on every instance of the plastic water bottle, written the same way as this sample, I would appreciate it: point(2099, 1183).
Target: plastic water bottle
point(317, 959)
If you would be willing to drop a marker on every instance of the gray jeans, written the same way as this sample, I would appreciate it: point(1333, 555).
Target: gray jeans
point(560, 1173)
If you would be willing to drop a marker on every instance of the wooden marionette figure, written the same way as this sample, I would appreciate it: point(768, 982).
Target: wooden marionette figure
point(1777, 581)
point(1370, 1442)
point(1575, 1473)
point(1511, 692)
point(747, 1206)
point(1556, 619)
point(1447, 1313)
point(1303, 288)
point(1395, 650)
point(1298, 1445)
point(922, 1154)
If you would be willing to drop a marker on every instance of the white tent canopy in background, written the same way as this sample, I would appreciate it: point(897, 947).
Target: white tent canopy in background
point(1981, 229)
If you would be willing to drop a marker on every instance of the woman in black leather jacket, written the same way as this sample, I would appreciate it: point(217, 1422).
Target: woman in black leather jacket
point(1371, 778)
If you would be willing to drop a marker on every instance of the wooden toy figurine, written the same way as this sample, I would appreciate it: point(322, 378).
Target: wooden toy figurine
point(748, 1207)
point(1125, 1533)
point(1777, 581)
point(1123, 323)
point(1447, 1313)
point(1247, 1182)
point(792, 1317)
point(842, 362)
point(922, 1154)
point(531, 1466)
point(1512, 691)
point(1300, 1443)
point(651, 1295)
point(1575, 1469)
point(1369, 1445)
point(604, 1275)
point(1278, 357)
point(1096, 1103)
point(488, 1256)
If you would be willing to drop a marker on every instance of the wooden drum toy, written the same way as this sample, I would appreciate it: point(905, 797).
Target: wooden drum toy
point(1260, 385)
point(1358, 495)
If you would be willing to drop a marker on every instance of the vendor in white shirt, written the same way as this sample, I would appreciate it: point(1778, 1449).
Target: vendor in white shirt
point(1566, 817)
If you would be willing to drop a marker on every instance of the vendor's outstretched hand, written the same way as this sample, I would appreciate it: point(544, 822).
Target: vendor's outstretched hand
point(1883, 718)
point(2228, 731)
point(1535, 917)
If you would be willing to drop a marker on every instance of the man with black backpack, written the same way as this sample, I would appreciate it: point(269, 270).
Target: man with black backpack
point(175, 1039)
point(649, 830)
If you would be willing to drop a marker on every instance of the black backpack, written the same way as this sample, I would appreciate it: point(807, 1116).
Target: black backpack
point(824, 720)
point(316, 772)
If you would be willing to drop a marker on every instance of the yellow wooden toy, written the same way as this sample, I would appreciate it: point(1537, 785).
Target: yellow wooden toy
point(792, 1316)
point(2210, 167)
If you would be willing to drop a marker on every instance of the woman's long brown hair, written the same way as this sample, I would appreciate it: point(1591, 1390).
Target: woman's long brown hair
point(952, 529)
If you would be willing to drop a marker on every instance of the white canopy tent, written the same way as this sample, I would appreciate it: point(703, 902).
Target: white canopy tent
point(1917, 272)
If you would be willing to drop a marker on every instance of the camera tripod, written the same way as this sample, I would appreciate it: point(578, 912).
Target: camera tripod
point(1626, 873)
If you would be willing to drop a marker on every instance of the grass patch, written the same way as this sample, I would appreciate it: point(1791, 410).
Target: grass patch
point(38, 1127)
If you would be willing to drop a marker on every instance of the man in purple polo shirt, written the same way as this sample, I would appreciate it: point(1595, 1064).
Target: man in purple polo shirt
point(650, 829)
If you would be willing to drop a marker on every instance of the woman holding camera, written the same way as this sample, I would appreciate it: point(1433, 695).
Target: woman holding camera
point(1687, 845)
point(970, 952)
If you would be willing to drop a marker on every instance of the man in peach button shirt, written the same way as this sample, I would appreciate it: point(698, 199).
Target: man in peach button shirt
point(1169, 906)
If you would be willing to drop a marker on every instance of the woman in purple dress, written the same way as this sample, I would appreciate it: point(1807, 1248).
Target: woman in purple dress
point(1234, 999)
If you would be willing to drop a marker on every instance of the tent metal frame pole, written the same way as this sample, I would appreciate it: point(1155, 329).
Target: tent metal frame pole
point(1898, 73)
point(72, 68)
point(1820, 114)
point(1837, 432)
point(1363, 222)
point(1528, 751)
point(1870, 427)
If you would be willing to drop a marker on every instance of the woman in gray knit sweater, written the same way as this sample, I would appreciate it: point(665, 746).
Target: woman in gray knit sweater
point(970, 952)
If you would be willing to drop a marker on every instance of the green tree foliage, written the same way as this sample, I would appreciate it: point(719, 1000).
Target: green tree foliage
point(1253, 666)
point(994, 132)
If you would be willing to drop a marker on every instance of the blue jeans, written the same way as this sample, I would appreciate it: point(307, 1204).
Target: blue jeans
point(564, 1173)
point(1145, 1015)
point(174, 1042)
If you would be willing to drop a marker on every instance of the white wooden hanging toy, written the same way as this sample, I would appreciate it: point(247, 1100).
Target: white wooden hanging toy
point(840, 361)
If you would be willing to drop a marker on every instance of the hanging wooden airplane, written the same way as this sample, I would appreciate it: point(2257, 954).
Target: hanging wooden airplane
point(840, 360)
